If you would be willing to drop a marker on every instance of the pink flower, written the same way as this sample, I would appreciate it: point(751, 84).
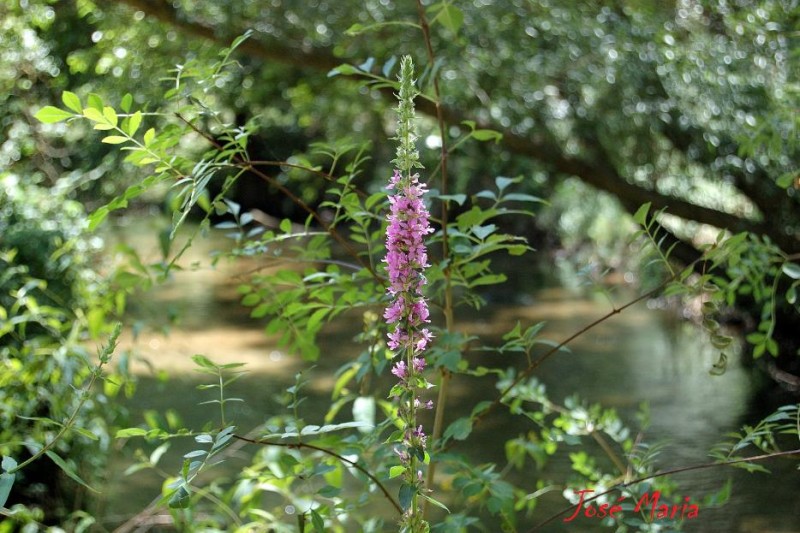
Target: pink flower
point(394, 312)
point(421, 342)
point(400, 370)
point(426, 405)
point(397, 338)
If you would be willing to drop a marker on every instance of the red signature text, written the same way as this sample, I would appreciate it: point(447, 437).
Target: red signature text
point(648, 502)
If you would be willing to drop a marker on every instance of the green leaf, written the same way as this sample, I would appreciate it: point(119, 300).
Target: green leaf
point(772, 347)
point(364, 411)
point(100, 120)
point(260, 311)
point(396, 470)
point(180, 498)
point(95, 102)
point(792, 270)
point(460, 429)
point(791, 294)
point(344, 70)
point(483, 231)
point(6, 483)
point(435, 502)
point(487, 135)
point(787, 179)
point(149, 135)
point(134, 122)
point(481, 407)
point(489, 279)
point(641, 214)
point(72, 101)
point(519, 197)
point(317, 522)
point(85, 432)
point(110, 115)
point(8, 464)
point(406, 495)
point(388, 66)
point(126, 102)
point(203, 361)
point(96, 218)
point(450, 17)
point(49, 114)
point(502, 182)
point(316, 318)
point(194, 453)
point(457, 198)
point(131, 432)
point(114, 139)
point(68, 469)
point(251, 299)
point(353, 30)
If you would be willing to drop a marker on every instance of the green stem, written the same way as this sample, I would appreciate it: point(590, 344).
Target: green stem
point(105, 357)
point(221, 398)
point(444, 378)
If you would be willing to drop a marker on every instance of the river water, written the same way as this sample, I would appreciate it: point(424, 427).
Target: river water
point(641, 355)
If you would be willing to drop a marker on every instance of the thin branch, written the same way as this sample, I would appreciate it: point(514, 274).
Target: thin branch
point(326, 175)
point(536, 363)
point(143, 517)
point(164, 11)
point(598, 437)
point(669, 472)
point(354, 464)
point(245, 164)
point(105, 356)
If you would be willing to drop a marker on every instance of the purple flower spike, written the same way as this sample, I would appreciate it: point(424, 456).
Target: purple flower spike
point(406, 259)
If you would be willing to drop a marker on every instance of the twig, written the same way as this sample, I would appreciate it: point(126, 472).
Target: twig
point(354, 464)
point(536, 363)
point(156, 505)
point(245, 164)
point(105, 356)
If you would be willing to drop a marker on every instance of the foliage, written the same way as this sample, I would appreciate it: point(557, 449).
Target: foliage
point(687, 105)
point(51, 301)
point(734, 267)
point(196, 143)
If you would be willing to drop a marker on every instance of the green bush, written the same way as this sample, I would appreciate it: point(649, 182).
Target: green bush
point(47, 291)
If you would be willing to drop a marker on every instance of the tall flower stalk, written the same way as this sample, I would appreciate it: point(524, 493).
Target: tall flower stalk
point(406, 260)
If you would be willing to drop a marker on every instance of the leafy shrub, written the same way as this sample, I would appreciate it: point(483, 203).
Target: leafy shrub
point(47, 292)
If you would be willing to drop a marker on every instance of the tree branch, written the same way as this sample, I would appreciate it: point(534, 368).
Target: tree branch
point(599, 174)
point(164, 11)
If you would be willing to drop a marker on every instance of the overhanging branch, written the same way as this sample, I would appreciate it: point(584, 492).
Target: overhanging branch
point(596, 174)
